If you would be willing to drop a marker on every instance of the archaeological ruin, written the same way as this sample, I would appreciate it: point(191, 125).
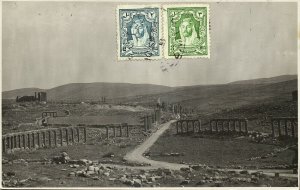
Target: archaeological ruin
point(284, 126)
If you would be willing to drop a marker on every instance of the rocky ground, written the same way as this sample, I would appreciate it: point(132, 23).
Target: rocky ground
point(62, 170)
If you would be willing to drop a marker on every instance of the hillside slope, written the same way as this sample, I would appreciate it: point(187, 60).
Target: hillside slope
point(91, 91)
point(240, 92)
point(214, 98)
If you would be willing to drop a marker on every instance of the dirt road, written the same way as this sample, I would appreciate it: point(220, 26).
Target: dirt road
point(137, 154)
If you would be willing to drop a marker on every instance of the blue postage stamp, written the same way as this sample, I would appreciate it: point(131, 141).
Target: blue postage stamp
point(139, 32)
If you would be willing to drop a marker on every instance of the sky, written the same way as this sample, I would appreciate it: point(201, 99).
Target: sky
point(47, 44)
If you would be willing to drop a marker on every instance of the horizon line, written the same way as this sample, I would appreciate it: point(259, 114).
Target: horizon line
point(152, 83)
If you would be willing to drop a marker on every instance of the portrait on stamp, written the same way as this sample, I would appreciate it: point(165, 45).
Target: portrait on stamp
point(138, 32)
point(187, 31)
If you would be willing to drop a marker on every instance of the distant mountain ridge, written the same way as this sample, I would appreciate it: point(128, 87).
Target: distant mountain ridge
point(94, 91)
point(277, 79)
point(91, 91)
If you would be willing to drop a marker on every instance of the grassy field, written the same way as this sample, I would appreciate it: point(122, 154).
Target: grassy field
point(14, 114)
point(217, 152)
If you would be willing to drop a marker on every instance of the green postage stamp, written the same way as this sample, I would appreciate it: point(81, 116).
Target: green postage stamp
point(186, 31)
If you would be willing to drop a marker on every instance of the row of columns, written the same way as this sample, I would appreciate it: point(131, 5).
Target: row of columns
point(147, 122)
point(227, 125)
point(194, 124)
point(285, 123)
point(156, 116)
point(117, 128)
point(43, 138)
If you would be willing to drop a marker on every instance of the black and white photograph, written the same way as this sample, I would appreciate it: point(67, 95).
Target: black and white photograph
point(139, 94)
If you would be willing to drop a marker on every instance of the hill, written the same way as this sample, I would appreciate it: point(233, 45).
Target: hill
point(222, 95)
point(215, 98)
point(277, 79)
point(91, 91)
point(12, 94)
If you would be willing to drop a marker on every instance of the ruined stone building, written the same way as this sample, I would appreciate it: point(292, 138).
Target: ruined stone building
point(38, 96)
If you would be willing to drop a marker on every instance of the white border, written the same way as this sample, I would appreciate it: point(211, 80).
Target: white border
point(167, 1)
point(166, 28)
point(129, 6)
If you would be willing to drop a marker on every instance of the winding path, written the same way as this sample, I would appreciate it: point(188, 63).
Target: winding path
point(136, 156)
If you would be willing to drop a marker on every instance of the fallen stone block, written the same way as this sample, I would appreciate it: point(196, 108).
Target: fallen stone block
point(244, 172)
point(137, 183)
point(72, 174)
point(91, 168)
point(185, 182)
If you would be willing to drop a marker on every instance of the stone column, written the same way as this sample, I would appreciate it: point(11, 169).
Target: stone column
point(49, 133)
point(217, 127)
point(15, 141)
point(177, 127)
point(293, 128)
point(84, 134)
point(8, 142)
point(127, 130)
point(121, 130)
point(4, 144)
point(152, 118)
point(55, 138)
point(234, 125)
point(61, 137)
point(285, 128)
point(114, 130)
point(33, 140)
point(107, 134)
point(200, 127)
point(210, 125)
point(246, 126)
point(240, 126)
point(193, 126)
point(19, 139)
point(222, 125)
point(272, 125)
point(44, 138)
point(67, 136)
point(24, 141)
point(72, 135)
point(181, 127)
point(228, 129)
point(149, 122)
point(78, 136)
point(187, 126)
point(11, 143)
point(28, 139)
point(279, 129)
point(145, 123)
point(38, 139)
